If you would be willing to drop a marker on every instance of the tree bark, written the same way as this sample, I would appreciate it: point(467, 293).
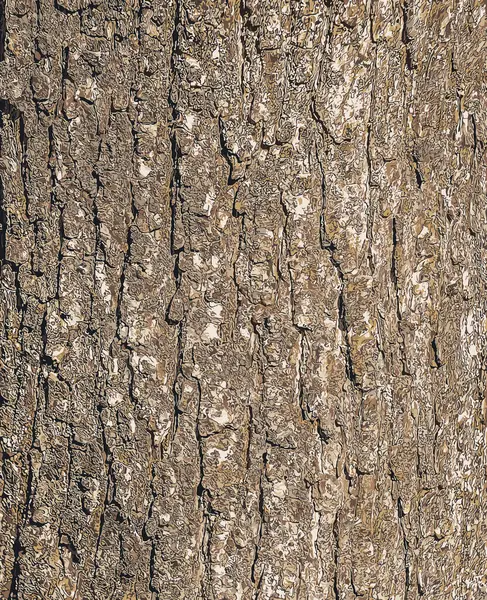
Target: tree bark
point(243, 304)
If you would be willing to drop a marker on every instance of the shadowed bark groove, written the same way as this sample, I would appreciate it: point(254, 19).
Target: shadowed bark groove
point(243, 304)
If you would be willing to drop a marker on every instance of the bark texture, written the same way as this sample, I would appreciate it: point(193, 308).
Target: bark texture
point(243, 299)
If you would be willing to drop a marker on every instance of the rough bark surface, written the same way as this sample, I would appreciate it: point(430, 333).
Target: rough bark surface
point(243, 304)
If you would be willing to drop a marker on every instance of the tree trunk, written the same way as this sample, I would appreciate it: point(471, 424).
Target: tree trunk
point(243, 299)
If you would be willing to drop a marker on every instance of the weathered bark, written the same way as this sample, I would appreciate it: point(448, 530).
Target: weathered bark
point(243, 299)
